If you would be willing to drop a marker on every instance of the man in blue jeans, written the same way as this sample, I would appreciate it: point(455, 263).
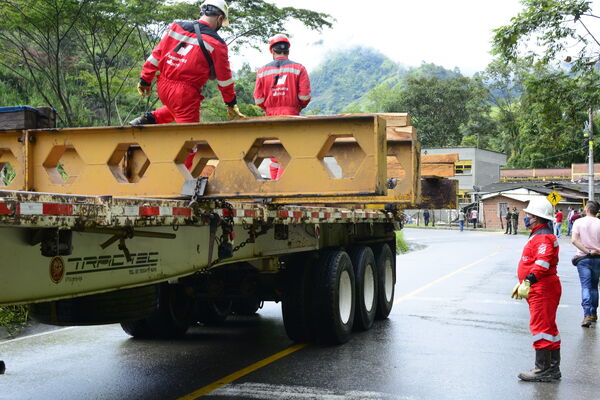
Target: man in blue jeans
point(586, 237)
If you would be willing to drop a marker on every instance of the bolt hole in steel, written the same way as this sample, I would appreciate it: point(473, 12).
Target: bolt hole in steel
point(389, 280)
point(345, 297)
point(369, 288)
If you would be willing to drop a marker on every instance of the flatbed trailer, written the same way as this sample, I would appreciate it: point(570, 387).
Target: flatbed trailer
point(320, 242)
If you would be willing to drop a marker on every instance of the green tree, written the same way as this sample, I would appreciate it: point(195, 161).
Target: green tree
point(556, 26)
point(438, 107)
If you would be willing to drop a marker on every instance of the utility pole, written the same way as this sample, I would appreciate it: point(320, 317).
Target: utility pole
point(590, 132)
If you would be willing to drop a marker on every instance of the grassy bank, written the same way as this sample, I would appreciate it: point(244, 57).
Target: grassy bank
point(13, 318)
point(401, 244)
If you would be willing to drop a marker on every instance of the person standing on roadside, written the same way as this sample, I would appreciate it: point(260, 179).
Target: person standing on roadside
point(515, 220)
point(558, 224)
point(540, 285)
point(426, 217)
point(474, 217)
point(586, 238)
point(461, 219)
point(569, 223)
point(508, 218)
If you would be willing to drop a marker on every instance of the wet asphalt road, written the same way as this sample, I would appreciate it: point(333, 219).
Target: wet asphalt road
point(454, 333)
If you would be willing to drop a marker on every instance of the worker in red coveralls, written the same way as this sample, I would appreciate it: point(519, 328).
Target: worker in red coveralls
point(282, 87)
point(189, 54)
point(540, 285)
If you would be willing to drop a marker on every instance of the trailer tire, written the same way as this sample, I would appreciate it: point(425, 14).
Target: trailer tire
point(297, 300)
point(334, 297)
point(211, 312)
point(97, 309)
point(365, 276)
point(386, 273)
point(246, 307)
point(170, 320)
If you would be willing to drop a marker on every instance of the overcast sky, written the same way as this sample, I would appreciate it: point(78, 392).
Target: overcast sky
point(448, 33)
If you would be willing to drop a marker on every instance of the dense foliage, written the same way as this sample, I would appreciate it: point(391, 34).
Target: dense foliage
point(83, 57)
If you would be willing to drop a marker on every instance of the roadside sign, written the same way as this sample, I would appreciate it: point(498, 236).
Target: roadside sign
point(554, 198)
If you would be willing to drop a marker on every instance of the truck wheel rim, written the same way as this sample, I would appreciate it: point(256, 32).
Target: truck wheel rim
point(345, 297)
point(369, 288)
point(389, 280)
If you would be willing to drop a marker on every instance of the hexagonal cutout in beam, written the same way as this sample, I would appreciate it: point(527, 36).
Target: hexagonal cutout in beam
point(267, 159)
point(63, 165)
point(7, 170)
point(128, 163)
point(341, 156)
point(196, 158)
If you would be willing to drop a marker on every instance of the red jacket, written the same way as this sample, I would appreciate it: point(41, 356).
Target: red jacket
point(540, 255)
point(178, 57)
point(282, 87)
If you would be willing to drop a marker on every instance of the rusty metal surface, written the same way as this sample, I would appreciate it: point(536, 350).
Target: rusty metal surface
point(438, 194)
point(147, 161)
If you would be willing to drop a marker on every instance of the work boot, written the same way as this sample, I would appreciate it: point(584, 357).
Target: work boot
point(542, 372)
point(555, 364)
point(587, 321)
point(146, 119)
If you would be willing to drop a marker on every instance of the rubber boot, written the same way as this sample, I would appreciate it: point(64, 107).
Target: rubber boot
point(145, 119)
point(555, 364)
point(543, 369)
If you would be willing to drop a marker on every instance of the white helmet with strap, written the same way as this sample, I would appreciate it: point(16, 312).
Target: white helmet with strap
point(540, 207)
point(221, 5)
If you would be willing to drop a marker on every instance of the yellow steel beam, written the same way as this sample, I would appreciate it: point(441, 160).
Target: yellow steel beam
point(148, 161)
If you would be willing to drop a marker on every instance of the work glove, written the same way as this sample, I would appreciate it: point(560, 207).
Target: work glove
point(523, 290)
point(144, 88)
point(515, 292)
point(234, 112)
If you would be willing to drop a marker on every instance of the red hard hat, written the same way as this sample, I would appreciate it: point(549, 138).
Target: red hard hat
point(279, 38)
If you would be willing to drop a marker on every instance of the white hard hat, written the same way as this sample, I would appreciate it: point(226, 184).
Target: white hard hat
point(221, 5)
point(540, 207)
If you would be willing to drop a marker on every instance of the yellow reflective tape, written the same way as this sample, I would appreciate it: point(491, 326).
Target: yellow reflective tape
point(242, 372)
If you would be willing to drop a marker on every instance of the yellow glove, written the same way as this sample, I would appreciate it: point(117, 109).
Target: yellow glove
point(514, 294)
point(144, 90)
point(523, 291)
point(234, 112)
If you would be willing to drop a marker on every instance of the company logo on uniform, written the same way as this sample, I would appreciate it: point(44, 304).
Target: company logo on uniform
point(542, 249)
point(57, 269)
point(281, 80)
point(184, 50)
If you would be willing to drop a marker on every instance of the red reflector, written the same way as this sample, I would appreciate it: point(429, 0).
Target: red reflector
point(298, 214)
point(182, 211)
point(283, 214)
point(4, 210)
point(249, 213)
point(327, 215)
point(314, 215)
point(57, 209)
point(149, 211)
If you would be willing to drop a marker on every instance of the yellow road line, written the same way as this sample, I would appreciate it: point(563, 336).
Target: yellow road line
point(251, 368)
point(443, 278)
point(237, 375)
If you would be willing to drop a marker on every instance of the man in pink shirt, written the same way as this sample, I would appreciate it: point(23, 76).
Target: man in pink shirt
point(586, 237)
